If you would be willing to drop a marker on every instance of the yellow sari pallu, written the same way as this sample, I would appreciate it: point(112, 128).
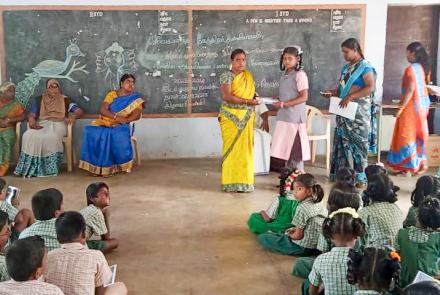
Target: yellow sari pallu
point(237, 124)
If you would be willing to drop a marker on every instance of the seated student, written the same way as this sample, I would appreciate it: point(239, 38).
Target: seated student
point(302, 238)
point(26, 260)
point(347, 197)
point(329, 270)
point(5, 233)
point(20, 218)
point(373, 270)
point(382, 216)
point(342, 195)
point(419, 246)
point(47, 205)
point(278, 217)
point(97, 215)
point(88, 269)
point(422, 288)
point(425, 186)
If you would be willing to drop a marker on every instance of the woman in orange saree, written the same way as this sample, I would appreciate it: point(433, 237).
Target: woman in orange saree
point(408, 147)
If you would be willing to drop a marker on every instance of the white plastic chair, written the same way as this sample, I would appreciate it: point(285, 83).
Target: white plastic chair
point(313, 112)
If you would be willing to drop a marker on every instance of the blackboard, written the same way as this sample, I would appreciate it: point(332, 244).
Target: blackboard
point(263, 35)
point(177, 55)
point(104, 45)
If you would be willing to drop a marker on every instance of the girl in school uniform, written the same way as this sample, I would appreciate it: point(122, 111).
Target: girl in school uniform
point(278, 216)
point(419, 246)
point(329, 270)
point(374, 271)
point(381, 215)
point(426, 185)
point(302, 238)
point(290, 141)
point(338, 198)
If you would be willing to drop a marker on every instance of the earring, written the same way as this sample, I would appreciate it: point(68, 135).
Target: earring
point(230, 67)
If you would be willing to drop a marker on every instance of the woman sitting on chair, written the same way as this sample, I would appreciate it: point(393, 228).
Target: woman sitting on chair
point(42, 143)
point(11, 112)
point(106, 145)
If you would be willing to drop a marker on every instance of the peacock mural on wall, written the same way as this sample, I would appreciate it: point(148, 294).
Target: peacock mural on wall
point(51, 69)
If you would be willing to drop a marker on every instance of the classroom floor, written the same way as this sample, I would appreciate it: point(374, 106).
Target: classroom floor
point(179, 234)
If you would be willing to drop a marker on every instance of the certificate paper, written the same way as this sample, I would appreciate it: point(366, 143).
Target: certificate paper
point(267, 100)
point(348, 112)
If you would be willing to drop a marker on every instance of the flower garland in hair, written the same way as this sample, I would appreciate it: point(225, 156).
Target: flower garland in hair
point(290, 180)
point(347, 210)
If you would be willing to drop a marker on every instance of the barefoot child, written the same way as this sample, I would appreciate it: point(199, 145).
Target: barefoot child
point(97, 215)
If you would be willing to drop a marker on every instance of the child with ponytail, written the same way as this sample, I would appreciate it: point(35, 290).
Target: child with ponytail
point(278, 216)
point(373, 270)
point(382, 216)
point(329, 270)
point(426, 185)
point(419, 246)
point(302, 238)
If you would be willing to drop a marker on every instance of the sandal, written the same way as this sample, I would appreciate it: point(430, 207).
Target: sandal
point(403, 173)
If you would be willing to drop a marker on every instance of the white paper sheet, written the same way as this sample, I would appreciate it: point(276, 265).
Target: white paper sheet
point(113, 278)
point(348, 112)
point(267, 100)
point(421, 277)
point(434, 89)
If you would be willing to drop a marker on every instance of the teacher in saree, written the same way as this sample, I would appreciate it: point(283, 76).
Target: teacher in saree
point(351, 138)
point(236, 119)
point(106, 145)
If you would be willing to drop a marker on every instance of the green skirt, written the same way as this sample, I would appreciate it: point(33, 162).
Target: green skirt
point(285, 213)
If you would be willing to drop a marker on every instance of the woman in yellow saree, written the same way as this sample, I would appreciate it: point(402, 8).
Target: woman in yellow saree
point(236, 119)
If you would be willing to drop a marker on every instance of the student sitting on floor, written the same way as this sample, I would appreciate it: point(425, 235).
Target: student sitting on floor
point(20, 219)
point(338, 199)
point(88, 269)
point(419, 246)
point(329, 270)
point(278, 217)
point(26, 260)
point(97, 216)
point(302, 238)
point(47, 205)
point(5, 233)
point(425, 186)
point(380, 213)
point(422, 288)
point(373, 270)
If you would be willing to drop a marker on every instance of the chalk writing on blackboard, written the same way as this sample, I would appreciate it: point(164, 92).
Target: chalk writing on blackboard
point(337, 20)
point(113, 62)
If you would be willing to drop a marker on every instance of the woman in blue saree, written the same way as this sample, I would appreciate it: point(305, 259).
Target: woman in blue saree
point(351, 137)
point(106, 147)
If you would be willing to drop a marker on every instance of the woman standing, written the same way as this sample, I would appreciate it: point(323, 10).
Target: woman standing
point(236, 119)
point(42, 143)
point(351, 137)
point(407, 152)
point(11, 112)
point(290, 141)
point(106, 146)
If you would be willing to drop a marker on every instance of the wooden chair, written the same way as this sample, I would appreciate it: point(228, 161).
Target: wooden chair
point(313, 112)
point(134, 141)
point(67, 141)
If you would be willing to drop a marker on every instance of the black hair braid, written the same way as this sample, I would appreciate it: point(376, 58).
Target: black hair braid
point(353, 263)
point(318, 193)
point(394, 269)
point(425, 185)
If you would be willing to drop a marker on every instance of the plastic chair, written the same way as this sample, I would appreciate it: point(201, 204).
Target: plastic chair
point(134, 141)
point(311, 113)
point(67, 142)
